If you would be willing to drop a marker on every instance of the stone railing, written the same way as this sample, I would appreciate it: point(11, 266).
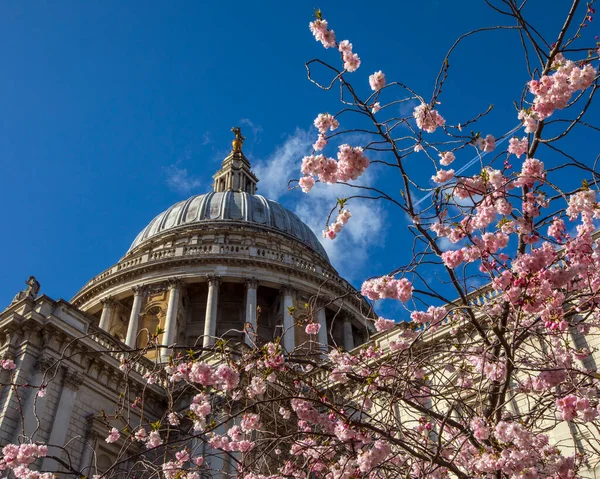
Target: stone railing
point(244, 251)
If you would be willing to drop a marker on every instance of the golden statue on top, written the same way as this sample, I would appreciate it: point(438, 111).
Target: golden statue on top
point(239, 139)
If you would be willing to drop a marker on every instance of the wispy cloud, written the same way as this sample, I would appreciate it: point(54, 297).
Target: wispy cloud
point(179, 180)
point(365, 230)
point(256, 129)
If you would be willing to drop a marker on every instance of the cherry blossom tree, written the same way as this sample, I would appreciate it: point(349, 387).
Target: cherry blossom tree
point(498, 381)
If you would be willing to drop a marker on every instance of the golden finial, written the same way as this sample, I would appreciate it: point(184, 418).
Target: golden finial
point(239, 139)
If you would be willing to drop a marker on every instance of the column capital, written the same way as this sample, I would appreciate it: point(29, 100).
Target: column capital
point(139, 289)
point(214, 281)
point(173, 283)
point(107, 301)
point(251, 283)
point(288, 290)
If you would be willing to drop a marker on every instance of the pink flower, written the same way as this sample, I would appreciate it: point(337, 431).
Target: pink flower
point(376, 107)
point(250, 422)
point(427, 119)
point(324, 122)
point(377, 80)
point(173, 419)
point(320, 143)
point(452, 259)
point(198, 461)
point(518, 147)
point(113, 436)
point(442, 176)
point(446, 158)
point(313, 328)
point(351, 60)
point(322, 33)
point(154, 440)
point(486, 144)
point(306, 183)
point(8, 364)
point(383, 324)
point(387, 287)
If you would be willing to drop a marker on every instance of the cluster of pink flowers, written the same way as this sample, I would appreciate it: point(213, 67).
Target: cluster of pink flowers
point(325, 121)
point(18, 458)
point(446, 158)
point(383, 324)
point(351, 164)
point(428, 119)
point(553, 92)
point(442, 176)
point(572, 406)
point(322, 33)
point(313, 328)
point(531, 171)
point(222, 376)
point(113, 436)
point(8, 364)
point(518, 147)
point(376, 455)
point(486, 144)
point(433, 315)
point(334, 228)
point(175, 469)
point(351, 60)
point(377, 80)
point(387, 287)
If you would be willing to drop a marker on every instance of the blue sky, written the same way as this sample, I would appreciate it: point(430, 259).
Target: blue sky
point(112, 111)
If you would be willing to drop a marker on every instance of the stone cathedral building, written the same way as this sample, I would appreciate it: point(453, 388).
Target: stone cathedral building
point(228, 263)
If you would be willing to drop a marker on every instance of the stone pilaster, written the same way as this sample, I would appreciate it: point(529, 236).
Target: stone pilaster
point(107, 308)
point(289, 336)
point(348, 336)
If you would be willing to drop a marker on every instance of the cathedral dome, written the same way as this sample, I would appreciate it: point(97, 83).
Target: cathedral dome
point(229, 206)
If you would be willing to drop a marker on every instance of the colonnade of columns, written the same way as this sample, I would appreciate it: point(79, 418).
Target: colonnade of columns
point(210, 320)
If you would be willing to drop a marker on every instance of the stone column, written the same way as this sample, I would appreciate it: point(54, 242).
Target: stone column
point(348, 337)
point(210, 318)
point(251, 323)
point(289, 334)
point(323, 343)
point(62, 417)
point(134, 318)
point(107, 304)
point(171, 320)
point(34, 406)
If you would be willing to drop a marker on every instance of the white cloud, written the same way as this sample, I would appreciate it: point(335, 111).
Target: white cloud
point(350, 251)
point(256, 129)
point(180, 181)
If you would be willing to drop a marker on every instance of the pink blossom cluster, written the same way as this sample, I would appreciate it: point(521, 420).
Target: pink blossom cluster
point(486, 144)
point(113, 436)
point(325, 121)
point(446, 158)
point(432, 316)
point(334, 228)
point(222, 376)
point(374, 456)
point(351, 60)
point(18, 459)
point(8, 364)
point(377, 80)
point(532, 170)
point(383, 324)
point(387, 287)
point(572, 406)
point(427, 118)
point(480, 429)
point(518, 147)
point(175, 469)
point(553, 92)
point(322, 33)
point(313, 328)
point(351, 164)
point(443, 176)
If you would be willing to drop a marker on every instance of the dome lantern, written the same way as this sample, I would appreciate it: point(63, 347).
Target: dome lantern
point(235, 173)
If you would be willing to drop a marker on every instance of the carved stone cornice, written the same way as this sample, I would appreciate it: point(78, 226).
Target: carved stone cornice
point(73, 380)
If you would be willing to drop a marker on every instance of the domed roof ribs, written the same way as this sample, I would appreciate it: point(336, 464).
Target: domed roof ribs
point(235, 173)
